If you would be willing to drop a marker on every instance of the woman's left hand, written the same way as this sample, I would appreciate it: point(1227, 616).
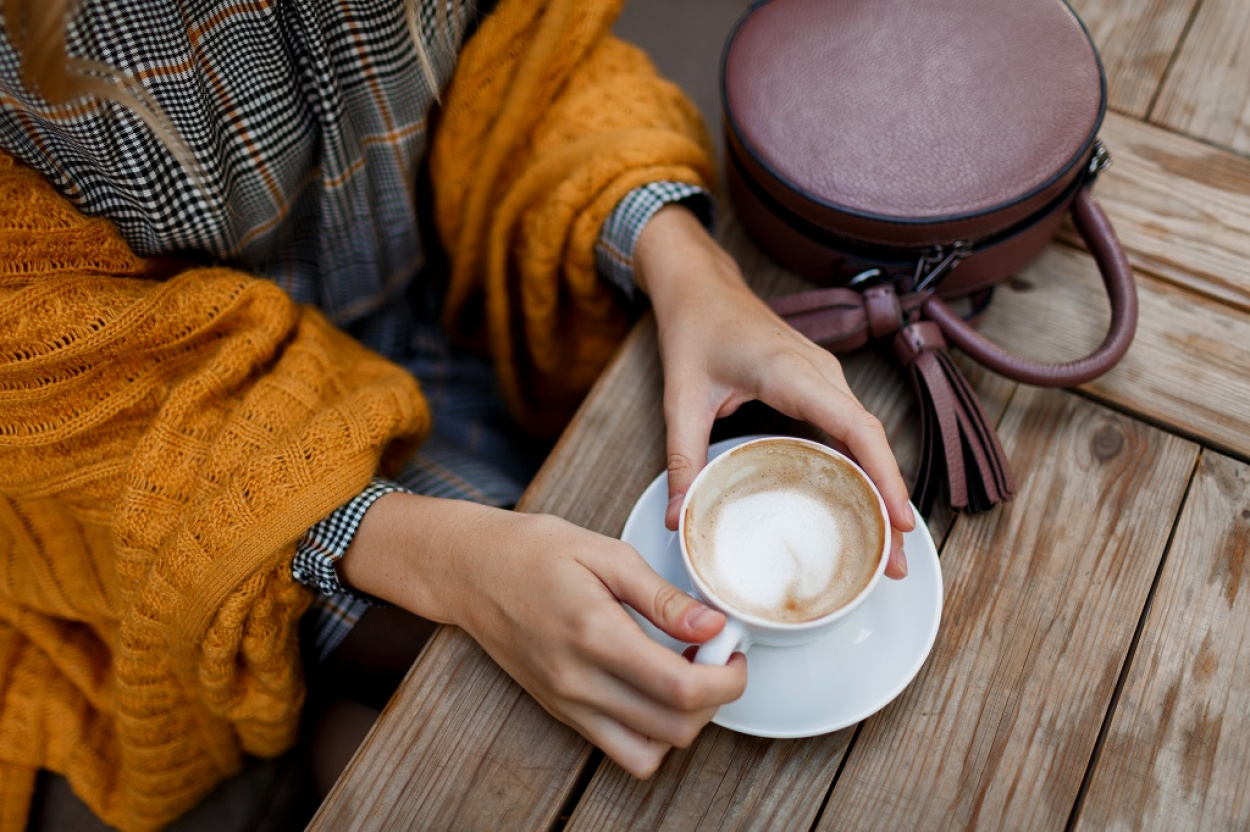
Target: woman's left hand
point(721, 346)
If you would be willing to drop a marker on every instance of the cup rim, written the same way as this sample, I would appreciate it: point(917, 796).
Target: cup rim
point(758, 621)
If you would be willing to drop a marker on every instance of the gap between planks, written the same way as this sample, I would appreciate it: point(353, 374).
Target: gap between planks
point(1096, 752)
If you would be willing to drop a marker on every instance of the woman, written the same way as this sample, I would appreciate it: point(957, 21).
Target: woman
point(222, 340)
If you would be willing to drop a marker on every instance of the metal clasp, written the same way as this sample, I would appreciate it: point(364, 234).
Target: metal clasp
point(868, 277)
point(1099, 161)
point(937, 263)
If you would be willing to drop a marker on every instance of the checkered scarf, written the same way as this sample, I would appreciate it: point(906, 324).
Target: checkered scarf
point(308, 118)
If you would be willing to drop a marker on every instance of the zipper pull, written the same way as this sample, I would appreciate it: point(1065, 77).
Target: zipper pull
point(933, 267)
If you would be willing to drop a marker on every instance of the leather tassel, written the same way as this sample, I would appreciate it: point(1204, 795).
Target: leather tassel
point(959, 448)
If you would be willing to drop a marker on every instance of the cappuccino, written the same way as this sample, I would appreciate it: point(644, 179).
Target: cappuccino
point(784, 533)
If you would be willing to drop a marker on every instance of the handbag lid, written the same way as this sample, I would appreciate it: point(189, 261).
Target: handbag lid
point(913, 110)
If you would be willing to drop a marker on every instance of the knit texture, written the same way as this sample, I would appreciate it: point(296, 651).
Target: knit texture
point(164, 440)
point(548, 123)
point(166, 435)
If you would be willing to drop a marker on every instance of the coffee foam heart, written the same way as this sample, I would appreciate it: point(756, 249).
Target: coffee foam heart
point(787, 536)
point(800, 533)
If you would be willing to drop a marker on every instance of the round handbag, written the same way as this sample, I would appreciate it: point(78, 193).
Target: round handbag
point(907, 151)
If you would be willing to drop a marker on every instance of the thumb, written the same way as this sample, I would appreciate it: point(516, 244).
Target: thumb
point(689, 421)
point(633, 581)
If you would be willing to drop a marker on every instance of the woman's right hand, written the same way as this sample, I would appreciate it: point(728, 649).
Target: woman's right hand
point(543, 598)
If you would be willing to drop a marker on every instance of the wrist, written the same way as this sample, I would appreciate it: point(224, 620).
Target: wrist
point(673, 250)
point(681, 267)
point(406, 552)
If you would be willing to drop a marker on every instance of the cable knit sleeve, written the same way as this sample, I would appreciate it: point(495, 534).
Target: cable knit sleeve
point(165, 437)
point(548, 124)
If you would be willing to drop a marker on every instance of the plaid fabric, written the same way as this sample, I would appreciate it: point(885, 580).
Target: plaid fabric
point(614, 251)
point(440, 469)
point(322, 545)
point(309, 121)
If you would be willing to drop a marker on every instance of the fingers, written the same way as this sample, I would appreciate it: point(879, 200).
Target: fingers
point(896, 566)
point(628, 653)
point(632, 580)
point(638, 754)
point(833, 409)
point(688, 415)
point(633, 729)
point(669, 725)
point(667, 677)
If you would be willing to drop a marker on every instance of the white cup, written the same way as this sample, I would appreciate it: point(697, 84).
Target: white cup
point(742, 628)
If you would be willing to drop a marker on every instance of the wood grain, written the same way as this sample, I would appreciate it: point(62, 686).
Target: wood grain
point(725, 781)
point(1188, 368)
point(459, 742)
point(464, 744)
point(731, 781)
point(1136, 39)
point(1180, 207)
point(1176, 751)
point(1043, 597)
point(1207, 92)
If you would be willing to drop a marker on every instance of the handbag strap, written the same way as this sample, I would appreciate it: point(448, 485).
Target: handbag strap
point(960, 452)
point(1117, 278)
point(845, 319)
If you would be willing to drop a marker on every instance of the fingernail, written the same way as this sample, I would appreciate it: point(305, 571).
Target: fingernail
point(911, 515)
point(902, 562)
point(675, 500)
point(700, 617)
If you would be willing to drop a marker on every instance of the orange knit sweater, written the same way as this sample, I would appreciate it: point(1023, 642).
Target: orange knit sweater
point(166, 434)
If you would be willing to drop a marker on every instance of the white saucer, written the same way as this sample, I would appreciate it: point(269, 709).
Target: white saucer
point(835, 681)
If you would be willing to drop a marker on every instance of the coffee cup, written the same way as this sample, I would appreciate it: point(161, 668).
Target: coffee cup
point(786, 537)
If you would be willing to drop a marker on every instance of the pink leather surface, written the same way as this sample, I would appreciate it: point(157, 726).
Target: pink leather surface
point(915, 109)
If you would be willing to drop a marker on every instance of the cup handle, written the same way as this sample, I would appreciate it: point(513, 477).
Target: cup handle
point(724, 644)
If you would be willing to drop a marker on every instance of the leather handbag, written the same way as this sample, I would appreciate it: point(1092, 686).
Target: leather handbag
point(903, 153)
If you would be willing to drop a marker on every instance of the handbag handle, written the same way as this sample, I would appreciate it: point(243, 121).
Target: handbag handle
point(1117, 276)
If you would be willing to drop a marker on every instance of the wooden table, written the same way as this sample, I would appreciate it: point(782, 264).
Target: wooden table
point(1093, 666)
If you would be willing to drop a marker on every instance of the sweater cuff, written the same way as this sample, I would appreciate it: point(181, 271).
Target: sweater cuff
point(321, 547)
point(614, 250)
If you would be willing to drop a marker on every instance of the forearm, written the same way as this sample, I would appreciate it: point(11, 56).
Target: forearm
point(411, 551)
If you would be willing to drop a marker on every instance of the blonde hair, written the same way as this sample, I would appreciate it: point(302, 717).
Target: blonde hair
point(446, 27)
point(37, 28)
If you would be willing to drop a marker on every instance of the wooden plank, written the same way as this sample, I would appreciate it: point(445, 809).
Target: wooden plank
point(1176, 751)
point(724, 781)
point(1188, 368)
point(1180, 207)
point(1042, 599)
point(1207, 92)
point(1136, 39)
point(460, 742)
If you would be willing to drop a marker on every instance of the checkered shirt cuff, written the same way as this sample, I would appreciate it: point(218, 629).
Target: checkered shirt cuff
point(323, 545)
point(614, 250)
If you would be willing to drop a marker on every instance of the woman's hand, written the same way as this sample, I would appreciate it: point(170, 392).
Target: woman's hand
point(543, 598)
point(721, 346)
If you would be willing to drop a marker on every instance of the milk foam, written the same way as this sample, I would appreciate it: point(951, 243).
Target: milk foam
point(783, 534)
point(799, 533)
